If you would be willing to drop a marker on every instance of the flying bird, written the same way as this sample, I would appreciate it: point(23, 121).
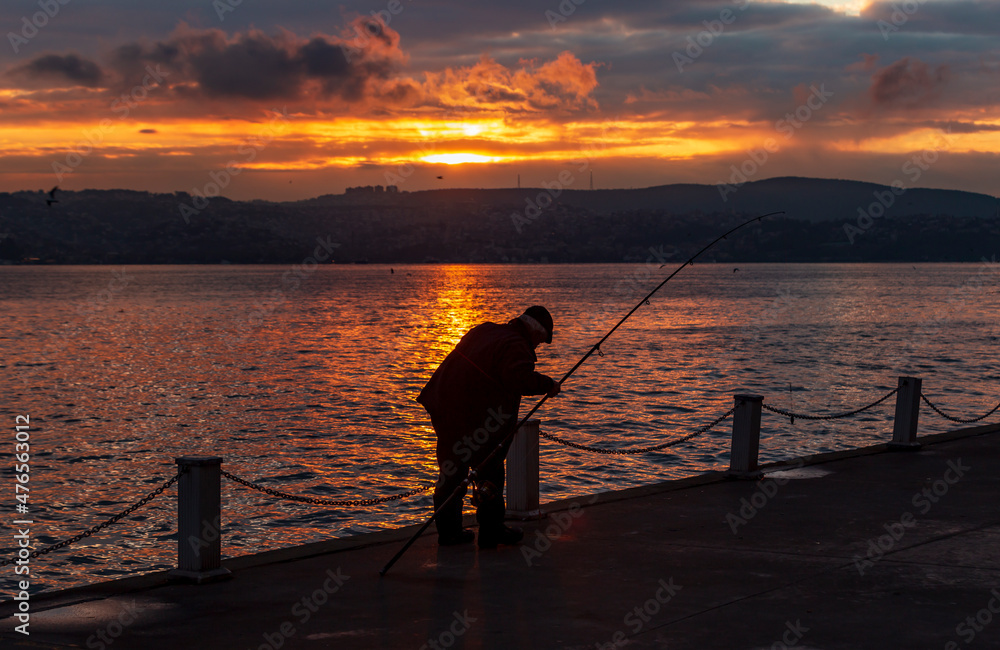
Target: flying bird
point(440, 178)
point(736, 269)
point(52, 197)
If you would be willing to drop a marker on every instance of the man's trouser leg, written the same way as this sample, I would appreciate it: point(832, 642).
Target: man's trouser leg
point(492, 508)
point(452, 473)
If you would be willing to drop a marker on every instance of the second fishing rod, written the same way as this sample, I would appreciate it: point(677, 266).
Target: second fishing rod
point(502, 445)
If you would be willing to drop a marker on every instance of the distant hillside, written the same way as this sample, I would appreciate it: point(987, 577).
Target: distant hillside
point(813, 199)
point(507, 225)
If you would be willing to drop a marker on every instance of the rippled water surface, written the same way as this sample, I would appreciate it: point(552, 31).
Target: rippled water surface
point(307, 384)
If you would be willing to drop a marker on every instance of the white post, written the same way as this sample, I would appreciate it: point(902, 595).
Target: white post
point(746, 437)
point(522, 473)
point(199, 520)
point(904, 425)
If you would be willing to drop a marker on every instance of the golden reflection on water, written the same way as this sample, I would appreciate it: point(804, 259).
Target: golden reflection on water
point(457, 307)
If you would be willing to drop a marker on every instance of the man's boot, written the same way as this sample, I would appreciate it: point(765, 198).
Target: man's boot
point(490, 516)
point(449, 520)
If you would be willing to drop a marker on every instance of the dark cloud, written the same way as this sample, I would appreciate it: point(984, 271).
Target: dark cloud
point(249, 66)
point(148, 131)
point(907, 83)
point(258, 66)
point(131, 60)
point(324, 59)
point(56, 70)
point(254, 67)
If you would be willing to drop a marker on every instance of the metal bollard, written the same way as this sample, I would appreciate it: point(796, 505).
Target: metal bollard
point(199, 521)
point(904, 425)
point(522, 474)
point(746, 438)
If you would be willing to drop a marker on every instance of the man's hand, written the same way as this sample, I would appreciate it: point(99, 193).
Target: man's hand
point(556, 387)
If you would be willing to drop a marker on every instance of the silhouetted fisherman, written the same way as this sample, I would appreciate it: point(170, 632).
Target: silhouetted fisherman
point(473, 398)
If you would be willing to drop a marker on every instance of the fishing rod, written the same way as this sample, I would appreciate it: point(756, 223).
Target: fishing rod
point(474, 473)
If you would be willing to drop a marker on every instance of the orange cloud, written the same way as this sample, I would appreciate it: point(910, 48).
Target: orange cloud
point(570, 75)
point(560, 85)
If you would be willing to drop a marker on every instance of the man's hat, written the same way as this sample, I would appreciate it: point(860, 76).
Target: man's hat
point(541, 316)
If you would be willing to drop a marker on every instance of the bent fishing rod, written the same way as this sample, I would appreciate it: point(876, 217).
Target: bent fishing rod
point(474, 472)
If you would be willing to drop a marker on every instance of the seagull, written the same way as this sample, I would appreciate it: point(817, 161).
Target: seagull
point(52, 197)
point(440, 178)
point(736, 269)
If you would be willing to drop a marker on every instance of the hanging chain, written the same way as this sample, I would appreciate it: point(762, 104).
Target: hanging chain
point(99, 527)
point(321, 501)
point(954, 419)
point(836, 416)
point(641, 450)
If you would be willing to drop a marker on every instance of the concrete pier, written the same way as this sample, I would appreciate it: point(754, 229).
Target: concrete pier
point(859, 549)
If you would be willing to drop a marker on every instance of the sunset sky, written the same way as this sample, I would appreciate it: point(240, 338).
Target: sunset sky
point(299, 98)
